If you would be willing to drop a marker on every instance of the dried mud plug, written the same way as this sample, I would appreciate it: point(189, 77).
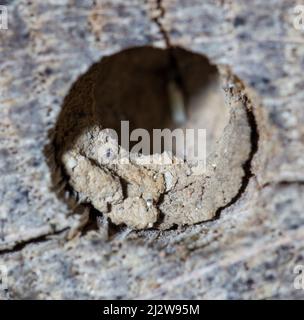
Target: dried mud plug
point(102, 146)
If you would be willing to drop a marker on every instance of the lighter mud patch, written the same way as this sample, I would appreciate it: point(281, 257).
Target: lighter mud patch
point(132, 85)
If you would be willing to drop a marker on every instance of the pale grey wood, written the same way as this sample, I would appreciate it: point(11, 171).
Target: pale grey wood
point(250, 251)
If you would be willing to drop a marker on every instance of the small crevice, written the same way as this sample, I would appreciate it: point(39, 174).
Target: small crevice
point(37, 240)
point(247, 166)
point(160, 8)
point(283, 183)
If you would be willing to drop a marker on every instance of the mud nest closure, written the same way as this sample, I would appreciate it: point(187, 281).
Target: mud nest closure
point(143, 86)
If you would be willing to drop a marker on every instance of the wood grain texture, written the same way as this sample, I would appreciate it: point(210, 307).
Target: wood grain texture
point(250, 251)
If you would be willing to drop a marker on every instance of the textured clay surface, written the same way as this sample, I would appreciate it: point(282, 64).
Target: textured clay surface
point(146, 193)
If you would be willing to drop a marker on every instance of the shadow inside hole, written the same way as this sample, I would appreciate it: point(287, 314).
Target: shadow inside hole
point(133, 85)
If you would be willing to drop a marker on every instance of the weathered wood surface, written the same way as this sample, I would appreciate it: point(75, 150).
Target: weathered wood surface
point(250, 251)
